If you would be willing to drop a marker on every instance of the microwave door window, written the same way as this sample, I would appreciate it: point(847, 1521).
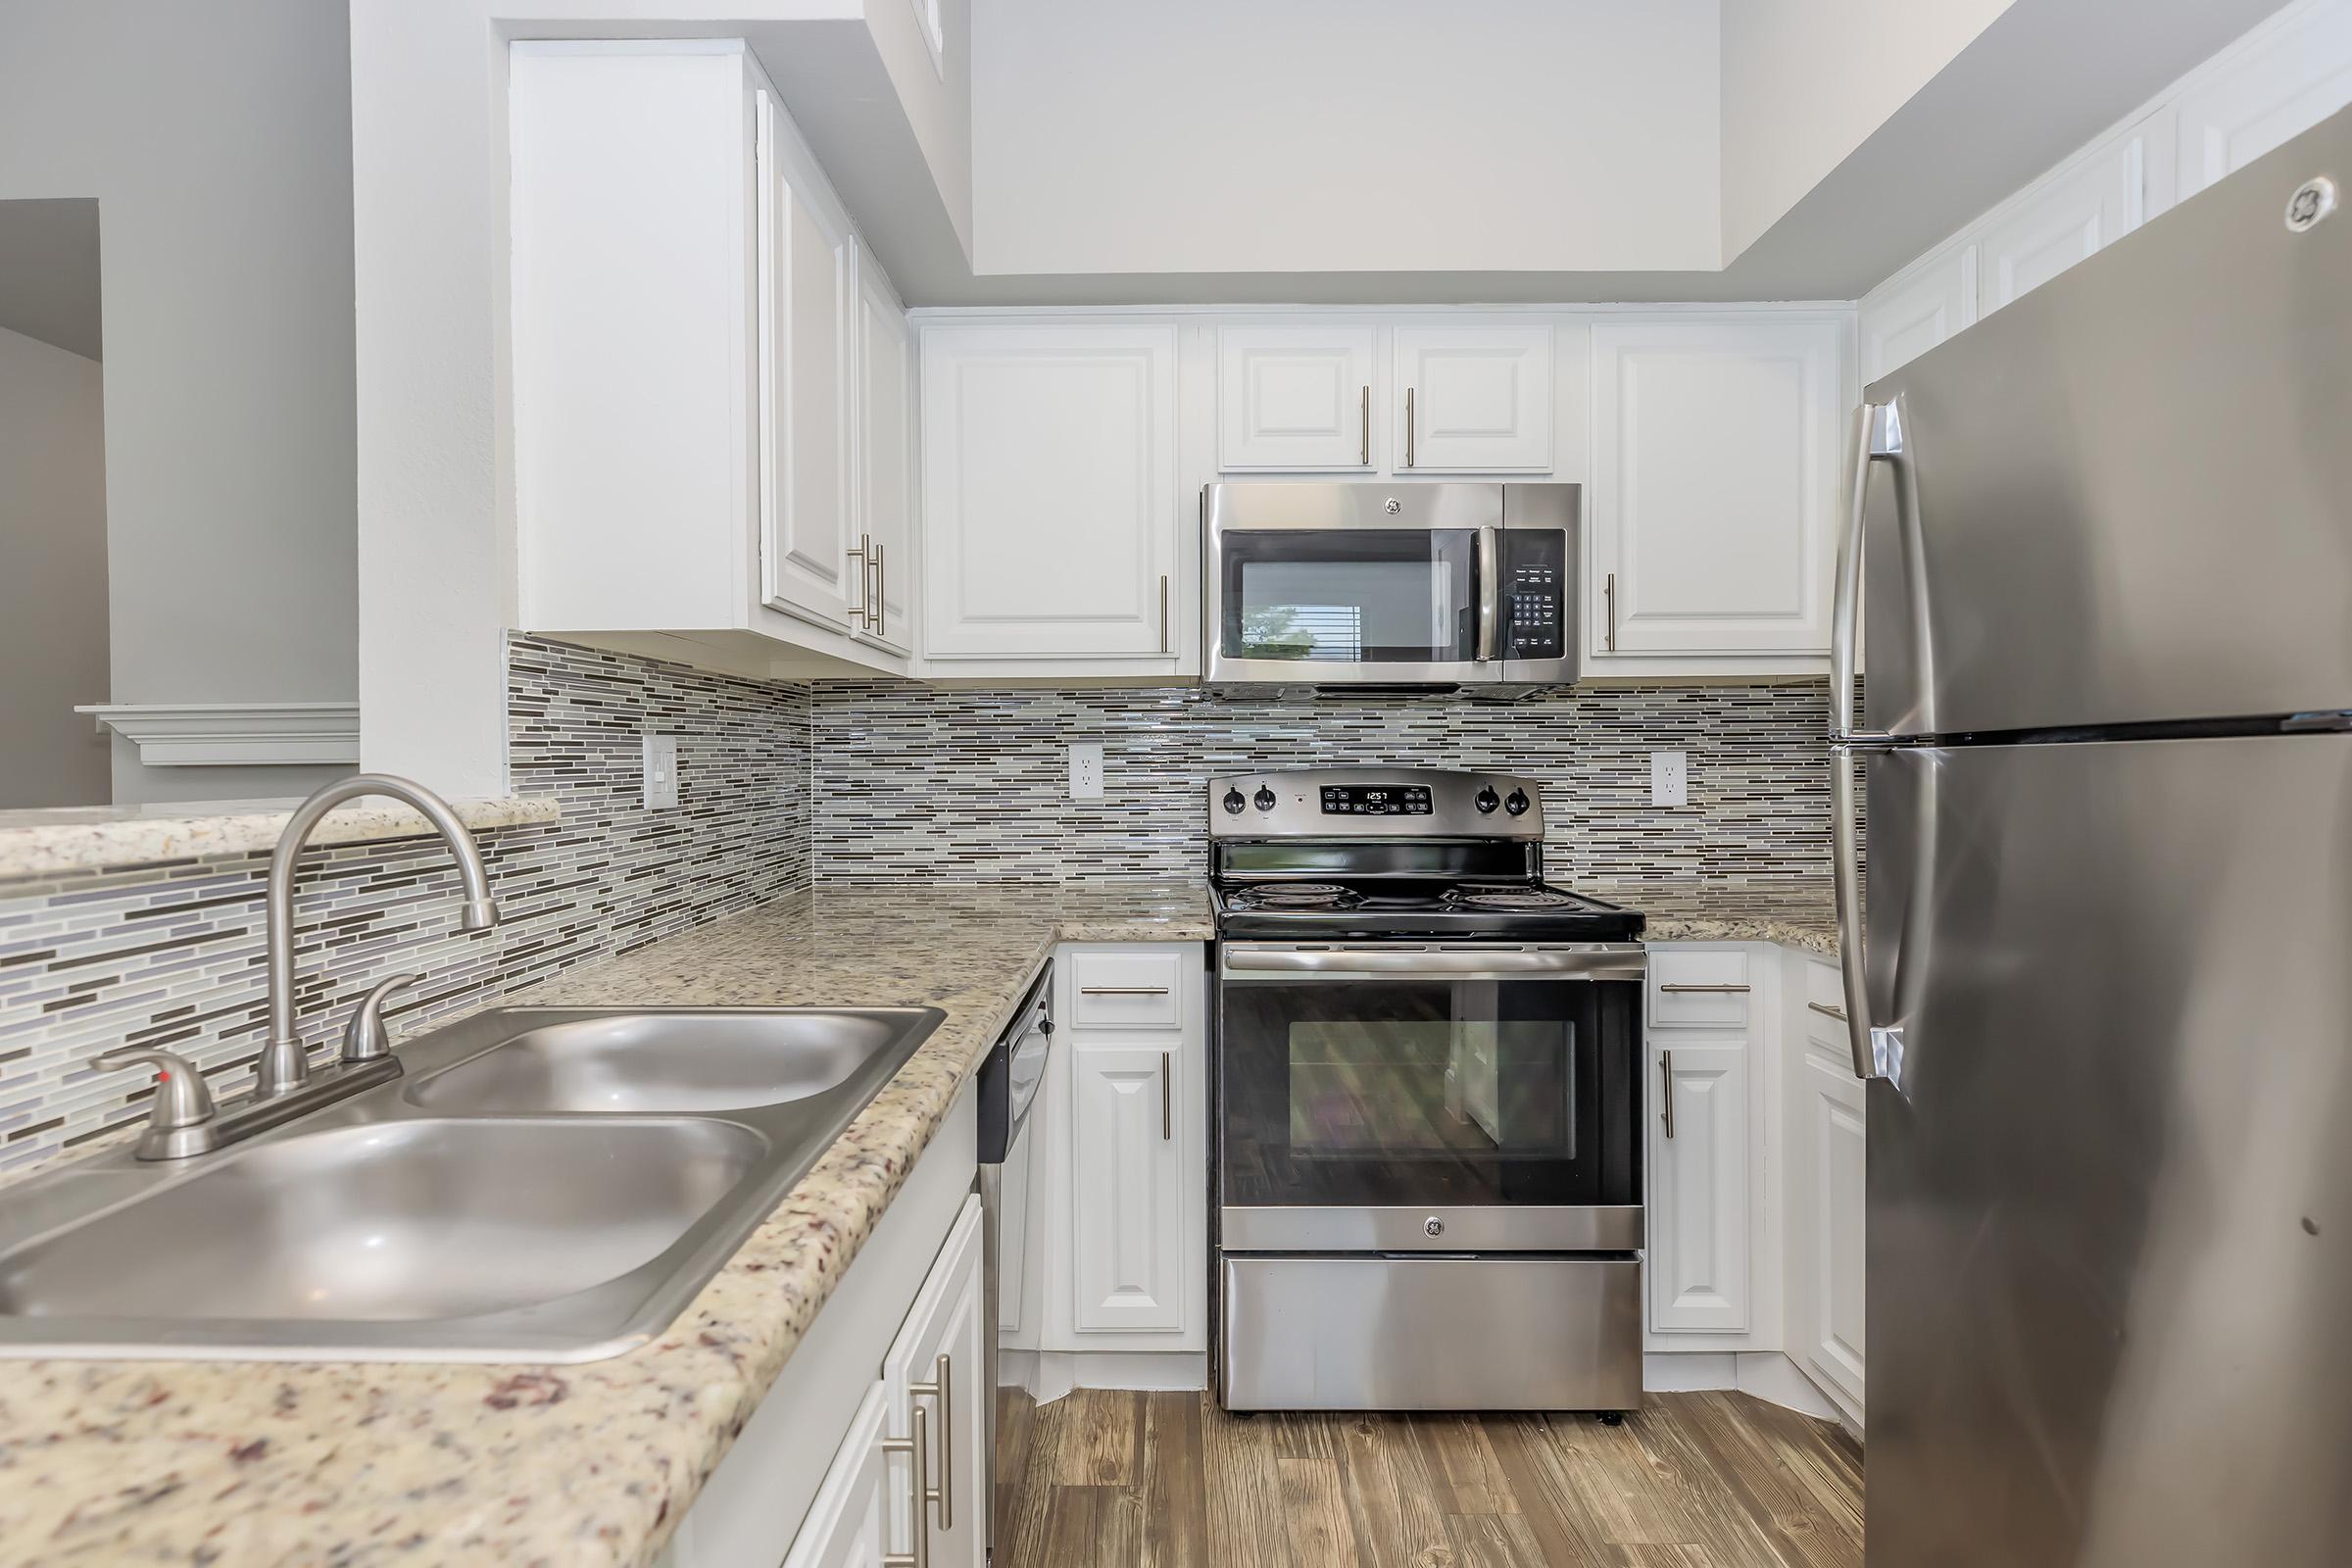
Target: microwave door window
point(1345, 597)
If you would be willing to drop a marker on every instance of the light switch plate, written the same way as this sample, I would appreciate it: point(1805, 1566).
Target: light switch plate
point(661, 773)
point(1085, 771)
point(1670, 778)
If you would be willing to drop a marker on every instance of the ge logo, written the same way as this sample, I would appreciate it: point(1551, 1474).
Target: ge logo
point(1393, 506)
point(2312, 201)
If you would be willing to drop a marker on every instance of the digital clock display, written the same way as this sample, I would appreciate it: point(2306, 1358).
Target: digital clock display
point(1376, 800)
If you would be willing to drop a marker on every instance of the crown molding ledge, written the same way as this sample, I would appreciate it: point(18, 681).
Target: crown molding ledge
point(235, 734)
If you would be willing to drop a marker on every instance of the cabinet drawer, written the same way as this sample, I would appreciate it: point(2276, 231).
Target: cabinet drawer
point(1710, 988)
point(1825, 990)
point(1126, 990)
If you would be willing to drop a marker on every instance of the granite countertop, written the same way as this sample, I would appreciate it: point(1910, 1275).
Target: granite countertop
point(1796, 912)
point(49, 840)
point(443, 1465)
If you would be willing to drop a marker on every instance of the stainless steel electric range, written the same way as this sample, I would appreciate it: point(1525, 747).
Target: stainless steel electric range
point(1428, 1101)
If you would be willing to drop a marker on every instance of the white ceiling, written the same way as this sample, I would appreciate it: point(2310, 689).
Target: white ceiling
point(1314, 152)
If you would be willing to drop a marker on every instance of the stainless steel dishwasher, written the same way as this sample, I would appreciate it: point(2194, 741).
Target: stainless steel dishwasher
point(1011, 1079)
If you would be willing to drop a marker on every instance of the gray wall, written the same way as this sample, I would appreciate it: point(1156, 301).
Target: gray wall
point(52, 575)
point(217, 139)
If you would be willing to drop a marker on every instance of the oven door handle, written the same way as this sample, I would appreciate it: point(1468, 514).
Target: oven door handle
point(1594, 961)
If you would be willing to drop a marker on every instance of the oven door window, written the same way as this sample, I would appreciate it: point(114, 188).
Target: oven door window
point(1352, 596)
point(1379, 1092)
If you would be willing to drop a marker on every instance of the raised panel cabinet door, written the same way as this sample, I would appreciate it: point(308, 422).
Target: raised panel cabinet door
point(937, 1365)
point(1049, 491)
point(849, 1524)
point(1127, 1248)
point(1830, 1336)
point(2068, 220)
point(1294, 398)
point(882, 599)
point(1901, 323)
point(808, 284)
point(1472, 399)
point(1699, 1205)
point(2293, 77)
point(1713, 516)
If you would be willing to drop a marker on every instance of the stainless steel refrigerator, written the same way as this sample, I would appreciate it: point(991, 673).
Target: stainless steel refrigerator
point(2103, 994)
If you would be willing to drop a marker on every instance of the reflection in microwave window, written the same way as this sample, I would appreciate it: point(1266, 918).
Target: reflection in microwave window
point(1328, 632)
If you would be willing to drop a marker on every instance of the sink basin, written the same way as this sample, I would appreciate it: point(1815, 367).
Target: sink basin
point(410, 1220)
point(666, 1062)
point(541, 1185)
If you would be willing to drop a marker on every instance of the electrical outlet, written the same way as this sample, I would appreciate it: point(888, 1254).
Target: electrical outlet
point(1670, 778)
point(661, 773)
point(1085, 771)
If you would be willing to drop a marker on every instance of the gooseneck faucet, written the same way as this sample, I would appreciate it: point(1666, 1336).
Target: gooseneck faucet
point(283, 1066)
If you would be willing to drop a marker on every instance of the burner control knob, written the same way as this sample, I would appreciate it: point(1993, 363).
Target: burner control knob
point(1263, 800)
point(1516, 805)
point(1486, 800)
point(1232, 802)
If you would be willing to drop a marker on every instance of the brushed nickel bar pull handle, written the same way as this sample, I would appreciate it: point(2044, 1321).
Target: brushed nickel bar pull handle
point(1163, 615)
point(941, 1388)
point(1666, 1071)
point(863, 556)
point(1122, 991)
point(917, 1448)
point(1608, 594)
point(1826, 1010)
point(1364, 456)
point(1676, 989)
point(1167, 1112)
point(1408, 426)
point(880, 597)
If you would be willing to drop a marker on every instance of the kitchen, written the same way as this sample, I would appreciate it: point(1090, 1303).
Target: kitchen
point(1027, 844)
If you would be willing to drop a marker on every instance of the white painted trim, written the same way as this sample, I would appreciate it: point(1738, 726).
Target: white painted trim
point(1448, 314)
point(235, 734)
point(1769, 1375)
point(1050, 1375)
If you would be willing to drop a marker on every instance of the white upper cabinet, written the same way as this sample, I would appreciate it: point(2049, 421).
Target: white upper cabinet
point(1713, 504)
point(2294, 75)
point(686, 334)
point(882, 601)
point(809, 313)
point(2068, 218)
point(1473, 399)
point(1049, 491)
point(1296, 398)
point(1917, 311)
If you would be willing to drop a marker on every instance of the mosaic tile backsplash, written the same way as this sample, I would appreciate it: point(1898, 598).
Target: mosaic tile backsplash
point(975, 784)
point(171, 954)
point(845, 782)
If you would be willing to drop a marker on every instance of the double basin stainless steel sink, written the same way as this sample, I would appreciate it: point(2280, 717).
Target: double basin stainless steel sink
point(539, 1185)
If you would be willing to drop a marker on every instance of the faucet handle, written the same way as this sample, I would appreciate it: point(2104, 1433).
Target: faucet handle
point(367, 1038)
point(181, 1098)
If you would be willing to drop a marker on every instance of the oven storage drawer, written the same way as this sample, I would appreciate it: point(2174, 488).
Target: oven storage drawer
point(1431, 1332)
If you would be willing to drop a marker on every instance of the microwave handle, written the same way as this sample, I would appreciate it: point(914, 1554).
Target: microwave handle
point(1490, 590)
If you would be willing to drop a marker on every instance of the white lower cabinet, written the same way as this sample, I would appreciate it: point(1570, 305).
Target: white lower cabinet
point(849, 1524)
point(916, 1455)
point(1827, 1196)
point(1127, 1235)
point(1699, 1196)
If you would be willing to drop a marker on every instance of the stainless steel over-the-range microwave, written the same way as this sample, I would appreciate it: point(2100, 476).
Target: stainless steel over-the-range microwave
point(1307, 585)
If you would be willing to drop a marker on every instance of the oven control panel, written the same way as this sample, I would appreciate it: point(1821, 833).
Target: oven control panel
point(1376, 800)
point(1358, 803)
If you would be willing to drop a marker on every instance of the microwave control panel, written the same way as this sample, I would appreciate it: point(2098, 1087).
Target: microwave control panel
point(1535, 593)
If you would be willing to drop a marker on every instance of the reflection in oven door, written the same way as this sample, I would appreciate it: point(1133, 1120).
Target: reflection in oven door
point(1431, 1092)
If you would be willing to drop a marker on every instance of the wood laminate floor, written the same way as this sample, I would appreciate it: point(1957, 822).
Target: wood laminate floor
point(1121, 1480)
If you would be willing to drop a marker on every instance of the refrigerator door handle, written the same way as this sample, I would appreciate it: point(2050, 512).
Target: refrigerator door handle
point(1878, 437)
